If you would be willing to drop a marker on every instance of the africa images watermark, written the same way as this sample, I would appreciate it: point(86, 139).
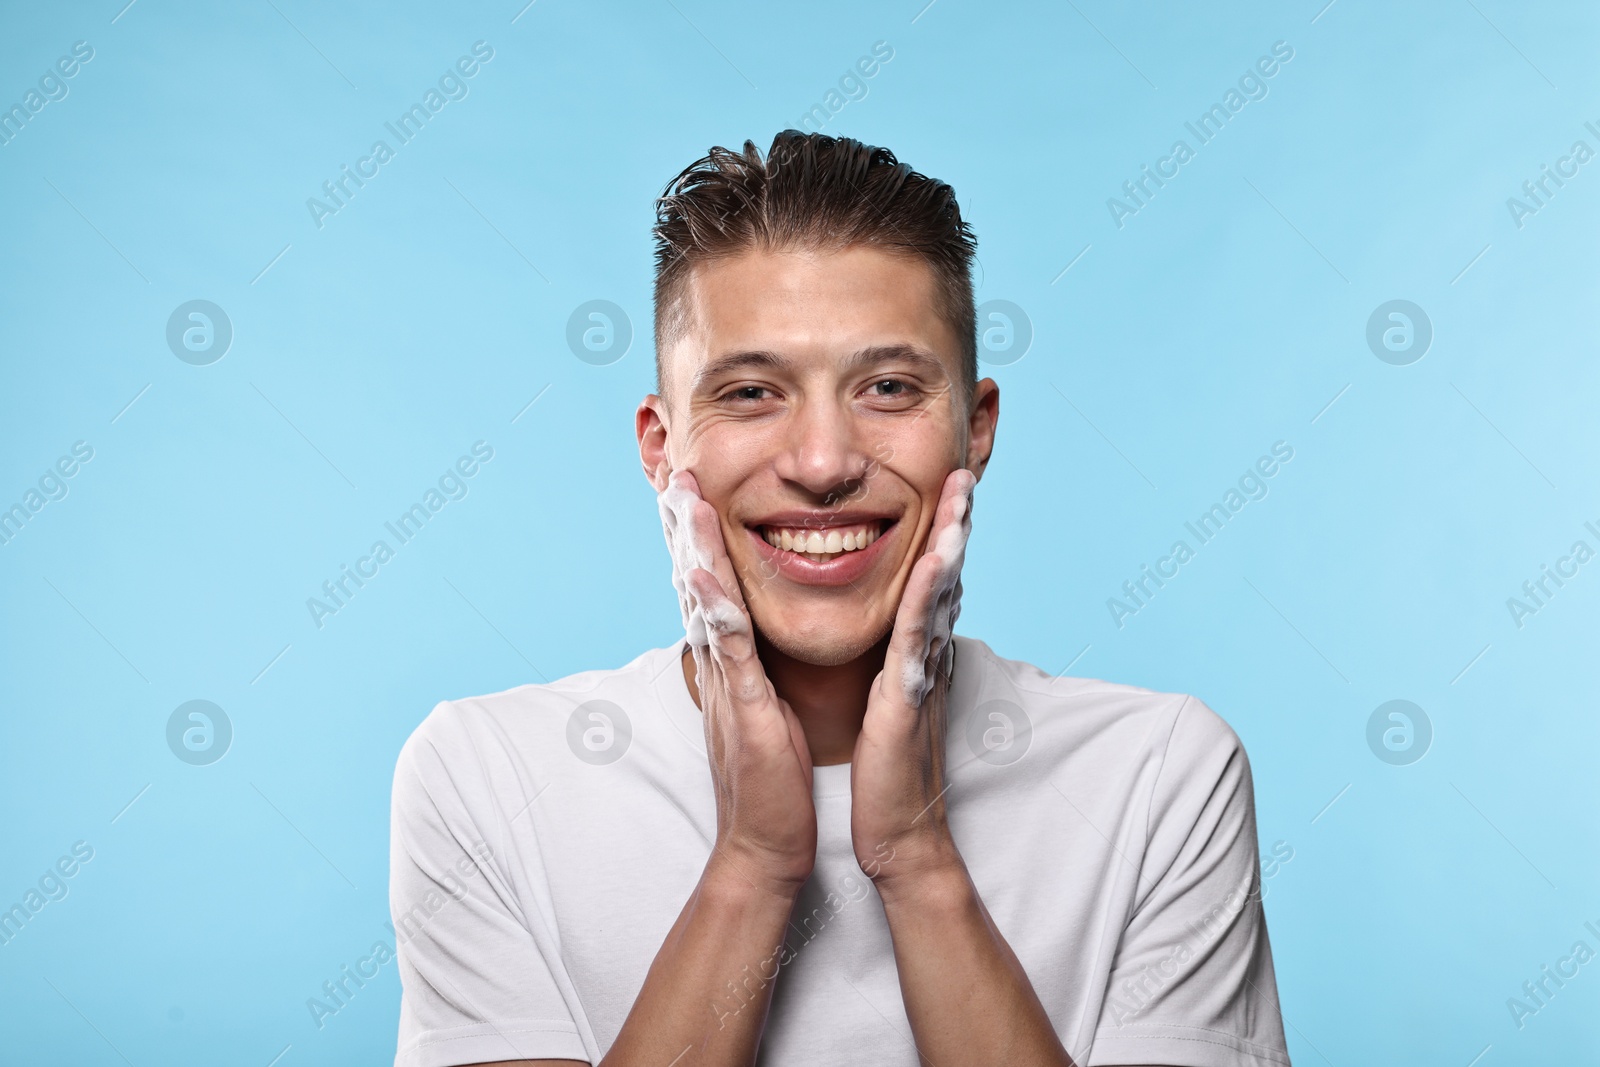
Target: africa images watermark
point(1537, 993)
point(52, 86)
point(337, 992)
point(52, 486)
point(1139, 990)
point(452, 485)
point(1522, 209)
point(451, 86)
point(1551, 580)
point(1252, 86)
point(852, 87)
point(1252, 485)
point(52, 885)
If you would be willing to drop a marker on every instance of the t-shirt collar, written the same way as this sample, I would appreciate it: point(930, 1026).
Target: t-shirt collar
point(673, 691)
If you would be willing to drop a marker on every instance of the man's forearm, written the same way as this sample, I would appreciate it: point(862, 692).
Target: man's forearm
point(710, 985)
point(966, 995)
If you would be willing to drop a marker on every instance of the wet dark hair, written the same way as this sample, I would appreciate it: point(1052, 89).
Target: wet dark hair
point(812, 193)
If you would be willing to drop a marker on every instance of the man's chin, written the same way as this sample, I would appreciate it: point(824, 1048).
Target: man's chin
point(823, 650)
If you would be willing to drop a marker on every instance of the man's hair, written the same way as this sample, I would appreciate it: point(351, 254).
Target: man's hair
point(812, 193)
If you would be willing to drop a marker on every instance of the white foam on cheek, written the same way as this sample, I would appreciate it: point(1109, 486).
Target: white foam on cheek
point(676, 505)
point(950, 547)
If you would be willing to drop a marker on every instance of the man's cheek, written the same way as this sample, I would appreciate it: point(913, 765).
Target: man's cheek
point(755, 572)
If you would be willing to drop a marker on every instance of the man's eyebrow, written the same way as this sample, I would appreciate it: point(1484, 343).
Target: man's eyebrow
point(920, 358)
point(736, 361)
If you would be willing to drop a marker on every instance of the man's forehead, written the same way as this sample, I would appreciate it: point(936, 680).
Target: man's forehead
point(846, 308)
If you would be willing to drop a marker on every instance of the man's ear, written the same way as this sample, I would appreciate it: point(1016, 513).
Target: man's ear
point(650, 426)
point(981, 422)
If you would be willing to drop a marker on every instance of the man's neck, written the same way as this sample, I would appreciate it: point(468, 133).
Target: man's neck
point(829, 701)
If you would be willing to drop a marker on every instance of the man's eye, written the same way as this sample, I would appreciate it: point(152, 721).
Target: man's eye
point(748, 392)
point(890, 387)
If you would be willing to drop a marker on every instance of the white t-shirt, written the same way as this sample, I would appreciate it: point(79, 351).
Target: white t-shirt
point(545, 838)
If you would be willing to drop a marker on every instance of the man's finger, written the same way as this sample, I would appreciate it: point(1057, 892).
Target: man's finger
point(705, 529)
point(673, 503)
point(904, 663)
point(694, 532)
point(953, 519)
point(732, 641)
point(931, 600)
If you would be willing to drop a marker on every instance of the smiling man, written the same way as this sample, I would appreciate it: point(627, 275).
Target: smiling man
point(821, 828)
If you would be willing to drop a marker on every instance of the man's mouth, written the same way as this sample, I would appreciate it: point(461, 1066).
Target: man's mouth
point(823, 545)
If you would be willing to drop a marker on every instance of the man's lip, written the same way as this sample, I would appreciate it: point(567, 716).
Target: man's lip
point(846, 568)
point(821, 520)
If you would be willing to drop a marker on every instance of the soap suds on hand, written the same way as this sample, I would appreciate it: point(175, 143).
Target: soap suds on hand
point(950, 548)
point(676, 503)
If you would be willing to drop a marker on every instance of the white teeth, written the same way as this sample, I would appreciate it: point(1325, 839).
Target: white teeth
point(821, 546)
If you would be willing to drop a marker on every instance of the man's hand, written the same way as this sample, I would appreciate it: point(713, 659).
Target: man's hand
point(897, 816)
point(760, 762)
point(732, 928)
point(966, 996)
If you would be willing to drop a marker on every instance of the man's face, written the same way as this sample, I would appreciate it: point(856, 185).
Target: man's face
point(817, 399)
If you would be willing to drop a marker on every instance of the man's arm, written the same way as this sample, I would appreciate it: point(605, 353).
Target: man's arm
point(705, 999)
point(706, 996)
point(966, 996)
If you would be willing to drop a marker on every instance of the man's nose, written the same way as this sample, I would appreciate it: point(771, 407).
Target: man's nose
point(822, 451)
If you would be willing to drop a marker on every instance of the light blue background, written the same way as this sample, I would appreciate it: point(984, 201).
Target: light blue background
point(369, 354)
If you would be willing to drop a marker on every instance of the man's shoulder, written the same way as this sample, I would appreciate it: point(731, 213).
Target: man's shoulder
point(1087, 712)
point(534, 706)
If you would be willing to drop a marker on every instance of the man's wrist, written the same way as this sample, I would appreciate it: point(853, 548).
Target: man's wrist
point(931, 877)
point(728, 882)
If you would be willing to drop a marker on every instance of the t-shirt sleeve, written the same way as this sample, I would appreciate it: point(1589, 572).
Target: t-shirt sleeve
point(475, 986)
point(1192, 983)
